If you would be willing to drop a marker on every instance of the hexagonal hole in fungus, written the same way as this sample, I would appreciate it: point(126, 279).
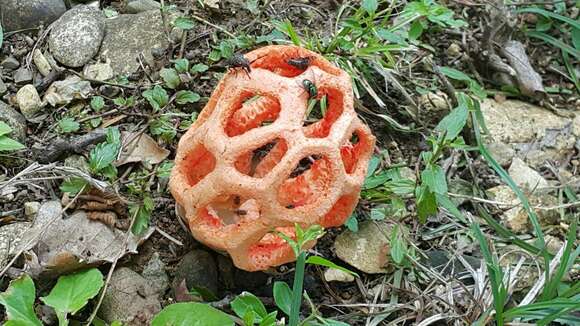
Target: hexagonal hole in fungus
point(292, 63)
point(198, 163)
point(322, 112)
point(258, 162)
point(278, 63)
point(308, 182)
point(228, 210)
point(251, 111)
point(271, 247)
point(358, 145)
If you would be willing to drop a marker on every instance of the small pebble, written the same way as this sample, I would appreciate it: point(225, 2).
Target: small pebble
point(10, 63)
point(22, 76)
point(31, 208)
point(336, 275)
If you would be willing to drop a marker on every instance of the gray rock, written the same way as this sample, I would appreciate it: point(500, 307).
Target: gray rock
point(198, 269)
point(501, 152)
point(130, 35)
point(515, 216)
point(3, 88)
point(41, 63)
point(10, 239)
point(138, 6)
point(336, 275)
point(535, 133)
point(368, 249)
point(15, 120)
point(129, 299)
point(65, 91)
point(22, 76)
point(99, 71)
point(31, 208)
point(19, 14)
point(77, 36)
point(525, 177)
point(29, 101)
point(10, 63)
point(154, 272)
point(77, 161)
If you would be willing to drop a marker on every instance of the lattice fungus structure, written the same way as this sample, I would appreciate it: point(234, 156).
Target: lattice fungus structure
point(252, 165)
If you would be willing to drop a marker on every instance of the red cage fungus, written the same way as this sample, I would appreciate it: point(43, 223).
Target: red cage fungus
point(250, 166)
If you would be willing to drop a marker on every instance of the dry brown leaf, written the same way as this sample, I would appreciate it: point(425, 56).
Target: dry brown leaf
point(140, 147)
point(74, 242)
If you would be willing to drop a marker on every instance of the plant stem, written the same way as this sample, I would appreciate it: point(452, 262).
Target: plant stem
point(297, 289)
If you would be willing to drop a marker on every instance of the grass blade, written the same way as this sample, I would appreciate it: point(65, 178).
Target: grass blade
point(545, 13)
point(555, 42)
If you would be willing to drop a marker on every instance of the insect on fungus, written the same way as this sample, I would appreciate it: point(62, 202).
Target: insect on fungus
point(300, 63)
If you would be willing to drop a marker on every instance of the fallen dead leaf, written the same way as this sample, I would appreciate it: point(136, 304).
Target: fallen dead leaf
point(140, 147)
point(68, 244)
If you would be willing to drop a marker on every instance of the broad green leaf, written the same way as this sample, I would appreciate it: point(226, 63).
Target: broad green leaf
point(68, 125)
point(164, 169)
point(398, 246)
point(18, 300)
point(181, 65)
point(283, 296)
point(434, 178)
point(426, 203)
point(164, 128)
point(183, 23)
point(377, 214)
point(170, 77)
point(157, 97)
point(373, 165)
point(97, 103)
point(72, 292)
point(416, 30)
point(270, 319)
point(73, 185)
point(200, 67)
point(102, 156)
point(454, 122)
point(317, 260)
point(454, 74)
point(191, 314)
point(184, 97)
point(8, 144)
point(247, 302)
point(370, 6)
point(352, 223)
point(4, 128)
point(142, 215)
point(312, 233)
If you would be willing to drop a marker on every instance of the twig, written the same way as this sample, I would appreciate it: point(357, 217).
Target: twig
point(170, 238)
point(63, 147)
point(101, 82)
point(213, 25)
point(450, 90)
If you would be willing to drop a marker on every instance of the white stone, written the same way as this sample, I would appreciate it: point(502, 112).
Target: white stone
point(28, 101)
point(336, 275)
